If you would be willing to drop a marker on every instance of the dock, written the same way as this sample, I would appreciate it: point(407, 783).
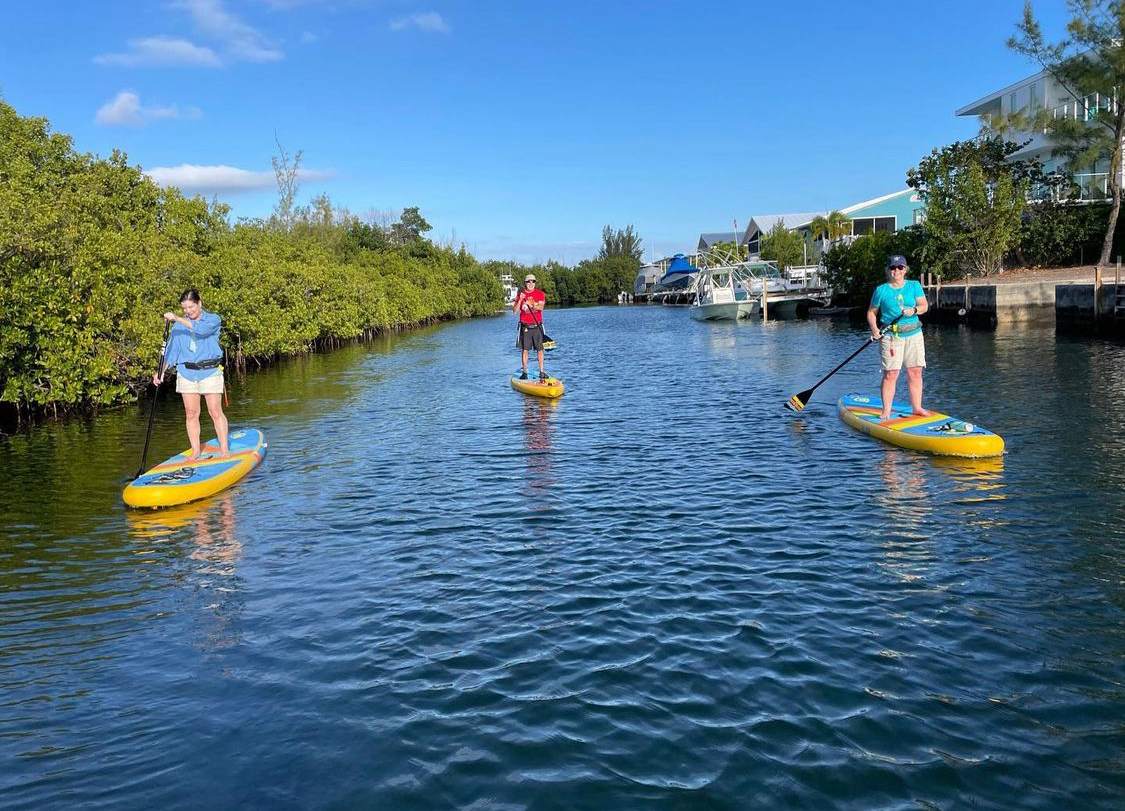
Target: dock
point(1088, 298)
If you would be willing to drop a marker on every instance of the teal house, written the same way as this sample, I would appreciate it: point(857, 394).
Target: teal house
point(891, 212)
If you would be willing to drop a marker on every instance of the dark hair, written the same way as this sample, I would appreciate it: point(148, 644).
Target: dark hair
point(191, 294)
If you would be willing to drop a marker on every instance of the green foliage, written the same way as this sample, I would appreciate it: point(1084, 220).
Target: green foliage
point(1090, 64)
point(974, 198)
point(783, 247)
point(837, 224)
point(855, 269)
point(92, 252)
point(728, 252)
point(620, 243)
point(1063, 234)
point(409, 228)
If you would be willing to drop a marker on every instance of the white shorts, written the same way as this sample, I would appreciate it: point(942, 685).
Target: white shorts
point(896, 352)
point(212, 384)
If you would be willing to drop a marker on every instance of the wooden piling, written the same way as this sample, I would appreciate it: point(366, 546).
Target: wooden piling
point(1098, 292)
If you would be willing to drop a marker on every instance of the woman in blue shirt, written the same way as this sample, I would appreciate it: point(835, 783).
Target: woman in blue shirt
point(193, 347)
point(901, 345)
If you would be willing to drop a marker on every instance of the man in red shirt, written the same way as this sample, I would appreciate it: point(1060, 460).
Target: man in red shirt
point(529, 304)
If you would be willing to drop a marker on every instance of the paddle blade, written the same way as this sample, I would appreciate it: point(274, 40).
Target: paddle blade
point(798, 401)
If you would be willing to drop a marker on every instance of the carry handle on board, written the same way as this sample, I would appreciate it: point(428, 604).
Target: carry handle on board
point(799, 401)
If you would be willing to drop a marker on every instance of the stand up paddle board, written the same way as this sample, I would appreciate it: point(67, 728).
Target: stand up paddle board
point(178, 481)
point(540, 388)
point(938, 433)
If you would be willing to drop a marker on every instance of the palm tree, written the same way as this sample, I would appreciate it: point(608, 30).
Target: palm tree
point(837, 224)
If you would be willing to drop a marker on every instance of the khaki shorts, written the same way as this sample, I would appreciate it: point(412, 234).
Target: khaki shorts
point(212, 384)
point(896, 352)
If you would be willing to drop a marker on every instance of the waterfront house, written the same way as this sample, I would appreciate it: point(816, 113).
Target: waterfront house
point(708, 241)
point(1033, 95)
point(890, 212)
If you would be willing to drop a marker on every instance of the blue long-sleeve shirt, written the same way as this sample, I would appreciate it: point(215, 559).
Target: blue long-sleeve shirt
point(195, 345)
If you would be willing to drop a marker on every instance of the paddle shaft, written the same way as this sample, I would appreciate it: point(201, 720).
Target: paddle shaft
point(155, 394)
point(845, 362)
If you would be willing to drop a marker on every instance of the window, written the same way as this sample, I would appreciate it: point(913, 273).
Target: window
point(919, 216)
point(1033, 97)
point(1012, 102)
point(867, 225)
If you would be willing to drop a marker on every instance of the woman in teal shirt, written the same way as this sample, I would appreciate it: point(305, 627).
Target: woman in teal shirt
point(901, 345)
point(193, 348)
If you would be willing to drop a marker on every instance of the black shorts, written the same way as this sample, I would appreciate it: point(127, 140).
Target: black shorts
point(530, 337)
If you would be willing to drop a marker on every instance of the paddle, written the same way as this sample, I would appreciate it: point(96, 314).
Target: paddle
point(799, 401)
point(542, 331)
point(152, 408)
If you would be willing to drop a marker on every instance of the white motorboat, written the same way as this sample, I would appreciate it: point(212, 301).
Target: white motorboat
point(722, 294)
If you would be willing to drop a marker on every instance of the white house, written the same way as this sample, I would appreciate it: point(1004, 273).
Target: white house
point(1040, 92)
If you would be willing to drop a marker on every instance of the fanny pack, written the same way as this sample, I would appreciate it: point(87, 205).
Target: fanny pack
point(893, 328)
point(213, 363)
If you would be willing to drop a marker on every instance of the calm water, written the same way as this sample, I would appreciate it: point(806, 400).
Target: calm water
point(662, 591)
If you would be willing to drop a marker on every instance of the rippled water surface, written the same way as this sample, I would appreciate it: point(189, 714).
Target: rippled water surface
point(661, 591)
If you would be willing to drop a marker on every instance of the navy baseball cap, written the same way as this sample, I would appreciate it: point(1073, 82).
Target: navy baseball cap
point(897, 260)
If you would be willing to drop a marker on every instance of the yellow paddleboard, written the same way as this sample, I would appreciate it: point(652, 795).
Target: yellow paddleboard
point(178, 481)
point(938, 433)
point(540, 388)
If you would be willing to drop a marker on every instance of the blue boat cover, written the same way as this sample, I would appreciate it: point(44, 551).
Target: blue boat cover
point(678, 265)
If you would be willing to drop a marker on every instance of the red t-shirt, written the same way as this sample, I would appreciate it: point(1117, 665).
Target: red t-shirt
point(526, 316)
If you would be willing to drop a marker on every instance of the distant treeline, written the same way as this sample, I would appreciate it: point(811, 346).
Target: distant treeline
point(92, 252)
point(591, 281)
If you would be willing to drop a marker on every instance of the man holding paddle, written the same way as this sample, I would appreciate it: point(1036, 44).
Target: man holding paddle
point(898, 303)
point(529, 304)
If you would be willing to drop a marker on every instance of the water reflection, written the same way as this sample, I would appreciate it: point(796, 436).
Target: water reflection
point(903, 496)
point(208, 526)
point(537, 440)
point(974, 479)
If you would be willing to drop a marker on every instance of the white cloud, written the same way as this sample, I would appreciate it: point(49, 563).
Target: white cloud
point(308, 37)
point(126, 110)
point(235, 41)
point(241, 41)
point(162, 51)
point(429, 21)
point(212, 179)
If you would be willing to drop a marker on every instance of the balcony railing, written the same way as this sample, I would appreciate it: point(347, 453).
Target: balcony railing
point(1091, 186)
point(1086, 108)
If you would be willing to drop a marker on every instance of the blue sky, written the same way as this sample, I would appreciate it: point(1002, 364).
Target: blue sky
point(520, 129)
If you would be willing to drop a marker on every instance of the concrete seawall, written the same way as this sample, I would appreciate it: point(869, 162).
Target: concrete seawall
point(1068, 304)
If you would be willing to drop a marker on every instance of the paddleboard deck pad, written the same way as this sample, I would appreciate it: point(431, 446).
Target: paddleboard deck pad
point(178, 481)
point(938, 433)
point(540, 388)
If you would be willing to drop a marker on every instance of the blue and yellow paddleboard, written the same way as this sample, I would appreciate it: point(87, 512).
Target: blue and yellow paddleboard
point(938, 433)
point(177, 481)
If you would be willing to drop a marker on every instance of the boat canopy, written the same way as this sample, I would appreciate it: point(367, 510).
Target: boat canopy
point(678, 265)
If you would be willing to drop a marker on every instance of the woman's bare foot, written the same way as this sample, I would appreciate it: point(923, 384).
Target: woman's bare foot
point(884, 417)
point(921, 412)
